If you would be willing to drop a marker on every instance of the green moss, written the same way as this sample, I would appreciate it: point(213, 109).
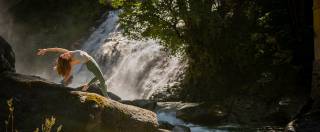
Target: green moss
point(93, 98)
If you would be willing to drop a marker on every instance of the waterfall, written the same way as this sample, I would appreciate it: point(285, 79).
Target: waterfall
point(133, 69)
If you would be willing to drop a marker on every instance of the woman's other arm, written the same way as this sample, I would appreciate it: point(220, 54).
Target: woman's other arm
point(58, 50)
point(86, 86)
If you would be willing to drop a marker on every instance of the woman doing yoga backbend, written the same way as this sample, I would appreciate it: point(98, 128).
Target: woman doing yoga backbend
point(68, 59)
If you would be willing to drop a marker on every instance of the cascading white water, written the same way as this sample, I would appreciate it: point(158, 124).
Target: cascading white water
point(133, 69)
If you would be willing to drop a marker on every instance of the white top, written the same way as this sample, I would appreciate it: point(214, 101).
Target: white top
point(80, 55)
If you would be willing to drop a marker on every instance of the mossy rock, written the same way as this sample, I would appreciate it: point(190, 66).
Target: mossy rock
point(35, 99)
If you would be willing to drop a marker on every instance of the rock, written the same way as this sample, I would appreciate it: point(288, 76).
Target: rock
point(35, 99)
point(163, 130)
point(270, 129)
point(7, 58)
point(309, 122)
point(173, 106)
point(260, 110)
point(113, 96)
point(181, 128)
point(96, 89)
point(202, 113)
point(146, 104)
point(165, 125)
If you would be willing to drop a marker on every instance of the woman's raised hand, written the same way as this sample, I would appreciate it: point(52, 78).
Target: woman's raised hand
point(42, 51)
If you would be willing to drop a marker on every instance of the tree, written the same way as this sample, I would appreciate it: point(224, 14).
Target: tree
point(232, 47)
point(316, 66)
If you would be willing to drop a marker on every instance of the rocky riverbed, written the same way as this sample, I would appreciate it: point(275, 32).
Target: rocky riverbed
point(35, 99)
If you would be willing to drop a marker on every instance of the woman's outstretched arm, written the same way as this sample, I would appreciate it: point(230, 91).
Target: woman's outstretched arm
point(44, 51)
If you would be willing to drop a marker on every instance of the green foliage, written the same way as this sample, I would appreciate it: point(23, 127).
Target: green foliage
point(152, 19)
point(230, 45)
point(10, 122)
point(46, 127)
point(102, 1)
point(117, 3)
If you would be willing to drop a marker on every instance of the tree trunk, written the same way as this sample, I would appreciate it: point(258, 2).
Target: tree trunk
point(315, 93)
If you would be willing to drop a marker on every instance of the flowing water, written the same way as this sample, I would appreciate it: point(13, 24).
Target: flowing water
point(133, 69)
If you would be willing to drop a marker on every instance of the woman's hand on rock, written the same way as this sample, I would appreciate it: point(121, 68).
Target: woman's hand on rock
point(85, 87)
point(42, 51)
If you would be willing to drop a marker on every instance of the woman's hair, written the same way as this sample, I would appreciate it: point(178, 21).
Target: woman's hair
point(63, 66)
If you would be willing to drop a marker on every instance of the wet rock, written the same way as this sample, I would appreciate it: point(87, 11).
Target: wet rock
point(165, 125)
point(202, 113)
point(270, 129)
point(146, 104)
point(173, 106)
point(261, 111)
point(170, 93)
point(181, 128)
point(35, 99)
point(163, 130)
point(309, 122)
point(7, 58)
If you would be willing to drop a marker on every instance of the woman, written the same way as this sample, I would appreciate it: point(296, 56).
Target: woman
point(68, 59)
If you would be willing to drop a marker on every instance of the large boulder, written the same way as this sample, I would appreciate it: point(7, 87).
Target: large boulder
point(35, 99)
point(7, 59)
point(308, 120)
